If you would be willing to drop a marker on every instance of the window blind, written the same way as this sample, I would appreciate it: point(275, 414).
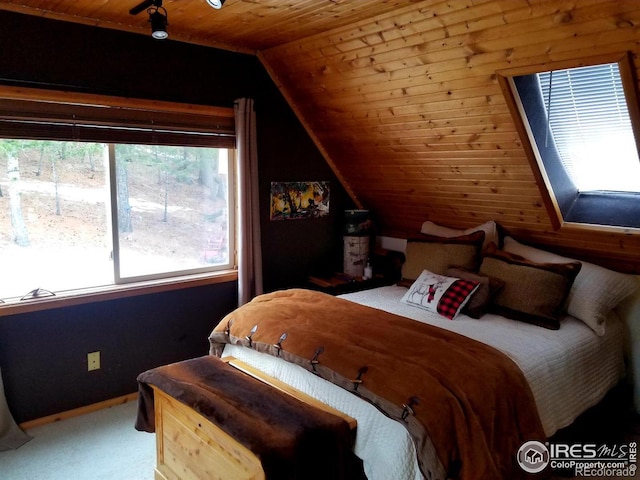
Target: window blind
point(77, 117)
point(590, 124)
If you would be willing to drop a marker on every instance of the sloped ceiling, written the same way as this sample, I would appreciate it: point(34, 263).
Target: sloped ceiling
point(402, 97)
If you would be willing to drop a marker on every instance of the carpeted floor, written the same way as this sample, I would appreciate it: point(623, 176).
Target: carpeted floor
point(102, 445)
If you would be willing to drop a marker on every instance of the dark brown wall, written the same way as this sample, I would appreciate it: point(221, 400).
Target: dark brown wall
point(43, 354)
point(294, 248)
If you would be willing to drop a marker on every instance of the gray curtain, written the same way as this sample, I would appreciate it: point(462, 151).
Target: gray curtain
point(249, 248)
point(10, 434)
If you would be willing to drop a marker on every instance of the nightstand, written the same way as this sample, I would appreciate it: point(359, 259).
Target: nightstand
point(340, 283)
point(387, 270)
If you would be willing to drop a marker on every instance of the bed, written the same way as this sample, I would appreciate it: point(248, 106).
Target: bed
point(567, 369)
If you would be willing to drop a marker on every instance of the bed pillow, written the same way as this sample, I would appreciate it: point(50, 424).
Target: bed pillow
point(489, 228)
point(440, 294)
point(436, 254)
point(533, 292)
point(488, 288)
point(595, 292)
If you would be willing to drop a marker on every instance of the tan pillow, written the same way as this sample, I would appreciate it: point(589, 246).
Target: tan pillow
point(437, 254)
point(595, 292)
point(532, 292)
point(489, 228)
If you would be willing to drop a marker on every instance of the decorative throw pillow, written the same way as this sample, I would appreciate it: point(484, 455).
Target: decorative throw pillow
point(436, 254)
point(488, 287)
point(489, 228)
point(532, 292)
point(595, 291)
point(440, 294)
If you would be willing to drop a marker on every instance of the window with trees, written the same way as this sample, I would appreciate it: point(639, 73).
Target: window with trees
point(122, 202)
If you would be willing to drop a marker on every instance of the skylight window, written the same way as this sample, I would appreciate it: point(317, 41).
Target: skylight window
point(579, 122)
point(589, 120)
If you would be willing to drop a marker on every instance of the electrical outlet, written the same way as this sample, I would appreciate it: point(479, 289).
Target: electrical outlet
point(93, 361)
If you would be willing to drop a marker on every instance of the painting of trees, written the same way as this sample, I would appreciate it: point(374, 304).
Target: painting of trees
point(294, 200)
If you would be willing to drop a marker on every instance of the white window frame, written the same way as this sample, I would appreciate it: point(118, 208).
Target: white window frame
point(115, 237)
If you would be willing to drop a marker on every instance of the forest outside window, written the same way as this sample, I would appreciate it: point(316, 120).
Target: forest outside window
point(580, 126)
point(84, 214)
point(170, 213)
point(171, 210)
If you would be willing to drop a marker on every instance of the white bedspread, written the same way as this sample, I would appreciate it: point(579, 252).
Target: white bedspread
point(384, 445)
point(569, 370)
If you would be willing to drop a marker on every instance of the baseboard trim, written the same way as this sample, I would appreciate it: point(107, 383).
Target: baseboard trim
point(79, 411)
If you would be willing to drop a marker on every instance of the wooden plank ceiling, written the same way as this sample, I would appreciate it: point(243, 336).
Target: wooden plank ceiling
point(402, 97)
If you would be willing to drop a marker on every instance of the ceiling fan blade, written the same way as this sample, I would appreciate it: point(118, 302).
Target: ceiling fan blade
point(141, 6)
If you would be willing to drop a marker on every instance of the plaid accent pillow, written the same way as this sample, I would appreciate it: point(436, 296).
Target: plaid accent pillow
point(440, 294)
point(480, 301)
point(455, 297)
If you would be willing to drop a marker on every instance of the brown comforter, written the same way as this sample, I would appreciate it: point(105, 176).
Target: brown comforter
point(470, 400)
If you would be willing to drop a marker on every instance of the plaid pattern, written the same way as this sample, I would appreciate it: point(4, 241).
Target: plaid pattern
point(455, 297)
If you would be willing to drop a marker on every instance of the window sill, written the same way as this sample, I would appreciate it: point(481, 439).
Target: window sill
point(111, 292)
point(614, 209)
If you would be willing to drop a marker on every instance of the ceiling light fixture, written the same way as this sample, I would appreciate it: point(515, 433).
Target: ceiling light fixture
point(158, 20)
point(217, 4)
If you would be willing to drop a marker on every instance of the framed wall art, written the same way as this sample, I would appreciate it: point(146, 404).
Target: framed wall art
point(299, 200)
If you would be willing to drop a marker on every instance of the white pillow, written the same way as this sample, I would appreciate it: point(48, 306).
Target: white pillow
point(489, 228)
point(440, 294)
point(595, 291)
